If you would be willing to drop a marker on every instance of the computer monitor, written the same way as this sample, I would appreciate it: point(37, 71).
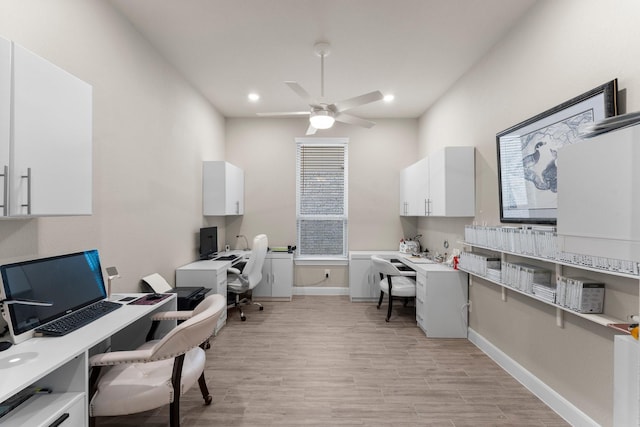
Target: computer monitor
point(69, 282)
point(208, 242)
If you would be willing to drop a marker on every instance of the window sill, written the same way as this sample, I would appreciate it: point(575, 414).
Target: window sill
point(320, 260)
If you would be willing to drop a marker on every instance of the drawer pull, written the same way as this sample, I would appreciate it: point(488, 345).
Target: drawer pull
point(62, 418)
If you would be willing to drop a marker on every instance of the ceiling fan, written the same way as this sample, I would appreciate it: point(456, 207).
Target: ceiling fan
point(323, 115)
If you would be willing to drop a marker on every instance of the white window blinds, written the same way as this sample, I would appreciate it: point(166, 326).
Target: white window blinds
point(321, 202)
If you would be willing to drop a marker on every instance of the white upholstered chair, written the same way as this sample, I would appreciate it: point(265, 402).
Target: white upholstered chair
point(241, 283)
point(158, 372)
point(393, 282)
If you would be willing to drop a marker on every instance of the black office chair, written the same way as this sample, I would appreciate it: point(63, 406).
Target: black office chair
point(393, 282)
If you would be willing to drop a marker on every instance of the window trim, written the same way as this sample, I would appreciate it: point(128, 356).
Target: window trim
point(344, 142)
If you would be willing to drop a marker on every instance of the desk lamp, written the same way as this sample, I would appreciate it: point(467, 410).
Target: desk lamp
point(246, 242)
point(112, 273)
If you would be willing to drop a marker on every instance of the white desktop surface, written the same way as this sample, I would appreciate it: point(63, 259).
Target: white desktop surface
point(216, 264)
point(25, 363)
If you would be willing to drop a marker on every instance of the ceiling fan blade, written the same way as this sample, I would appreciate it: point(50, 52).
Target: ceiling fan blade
point(302, 93)
point(353, 120)
point(284, 114)
point(311, 130)
point(357, 101)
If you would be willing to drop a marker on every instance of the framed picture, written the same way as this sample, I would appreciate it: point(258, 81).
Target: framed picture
point(527, 153)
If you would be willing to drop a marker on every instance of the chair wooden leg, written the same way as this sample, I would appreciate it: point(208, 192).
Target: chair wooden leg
point(390, 306)
point(205, 391)
point(380, 299)
point(176, 379)
point(390, 298)
point(152, 330)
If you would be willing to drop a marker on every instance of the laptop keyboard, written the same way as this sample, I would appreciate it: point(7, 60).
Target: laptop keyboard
point(77, 319)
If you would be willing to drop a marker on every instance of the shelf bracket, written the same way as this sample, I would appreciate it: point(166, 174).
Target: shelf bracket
point(559, 317)
point(504, 294)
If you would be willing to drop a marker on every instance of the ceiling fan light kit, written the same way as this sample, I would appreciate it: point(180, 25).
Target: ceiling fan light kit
point(323, 115)
point(322, 119)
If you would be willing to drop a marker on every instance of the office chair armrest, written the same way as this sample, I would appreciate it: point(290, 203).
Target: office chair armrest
point(408, 273)
point(172, 315)
point(118, 357)
point(243, 278)
point(234, 270)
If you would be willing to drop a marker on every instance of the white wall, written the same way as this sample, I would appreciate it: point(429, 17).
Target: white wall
point(558, 51)
point(265, 149)
point(151, 131)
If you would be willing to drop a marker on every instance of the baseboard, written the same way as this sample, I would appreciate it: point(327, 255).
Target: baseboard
point(320, 290)
point(550, 397)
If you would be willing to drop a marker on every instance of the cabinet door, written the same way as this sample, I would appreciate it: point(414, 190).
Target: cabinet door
point(235, 190)
point(263, 289)
point(222, 189)
point(282, 277)
point(52, 113)
point(5, 118)
point(414, 189)
point(362, 284)
point(404, 192)
point(445, 314)
point(452, 182)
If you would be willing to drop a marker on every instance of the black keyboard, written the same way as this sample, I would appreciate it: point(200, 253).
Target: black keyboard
point(228, 258)
point(77, 319)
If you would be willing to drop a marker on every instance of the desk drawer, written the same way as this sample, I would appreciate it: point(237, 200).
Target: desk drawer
point(45, 410)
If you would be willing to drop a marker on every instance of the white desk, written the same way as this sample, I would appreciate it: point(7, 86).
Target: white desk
point(441, 291)
point(211, 274)
point(61, 364)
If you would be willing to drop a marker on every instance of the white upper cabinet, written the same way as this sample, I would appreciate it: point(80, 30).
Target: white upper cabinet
point(5, 119)
point(47, 150)
point(599, 195)
point(442, 184)
point(414, 189)
point(452, 185)
point(223, 189)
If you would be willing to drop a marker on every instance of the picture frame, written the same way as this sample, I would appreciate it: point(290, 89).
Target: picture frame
point(527, 153)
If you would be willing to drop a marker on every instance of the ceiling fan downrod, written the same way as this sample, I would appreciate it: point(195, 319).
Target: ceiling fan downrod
point(321, 49)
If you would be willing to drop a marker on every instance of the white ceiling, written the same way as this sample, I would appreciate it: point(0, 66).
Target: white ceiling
point(414, 49)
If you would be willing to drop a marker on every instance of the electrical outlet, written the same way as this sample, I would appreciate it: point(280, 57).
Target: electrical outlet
point(327, 273)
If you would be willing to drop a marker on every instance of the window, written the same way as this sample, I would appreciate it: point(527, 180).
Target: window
point(321, 197)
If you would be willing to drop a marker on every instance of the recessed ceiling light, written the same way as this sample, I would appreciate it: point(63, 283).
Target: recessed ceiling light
point(389, 98)
point(253, 97)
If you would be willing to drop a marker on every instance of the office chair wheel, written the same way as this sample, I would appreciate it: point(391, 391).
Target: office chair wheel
point(208, 400)
point(243, 318)
point(261, 308)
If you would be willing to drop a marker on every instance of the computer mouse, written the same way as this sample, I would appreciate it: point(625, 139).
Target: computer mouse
point(4, 345)
point(154, 296)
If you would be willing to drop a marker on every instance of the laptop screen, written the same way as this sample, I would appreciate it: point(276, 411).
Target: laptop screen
point(69, 282)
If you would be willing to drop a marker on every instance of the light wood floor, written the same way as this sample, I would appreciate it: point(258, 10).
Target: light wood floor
point(324, 361)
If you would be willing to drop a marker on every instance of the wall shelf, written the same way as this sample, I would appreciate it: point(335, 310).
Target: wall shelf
point(600, 319)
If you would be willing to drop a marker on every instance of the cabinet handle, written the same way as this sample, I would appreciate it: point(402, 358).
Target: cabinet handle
point(62, 418)
point(428, 206)
point(5, 197)
point(28, 204)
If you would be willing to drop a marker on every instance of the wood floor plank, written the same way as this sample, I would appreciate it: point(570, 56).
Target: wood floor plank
point(324, 361)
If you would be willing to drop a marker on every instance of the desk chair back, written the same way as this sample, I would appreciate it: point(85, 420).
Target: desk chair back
point(192, 332)
point(158, 372)
point(393, 282)
point(252, 270)
point(241, 283)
